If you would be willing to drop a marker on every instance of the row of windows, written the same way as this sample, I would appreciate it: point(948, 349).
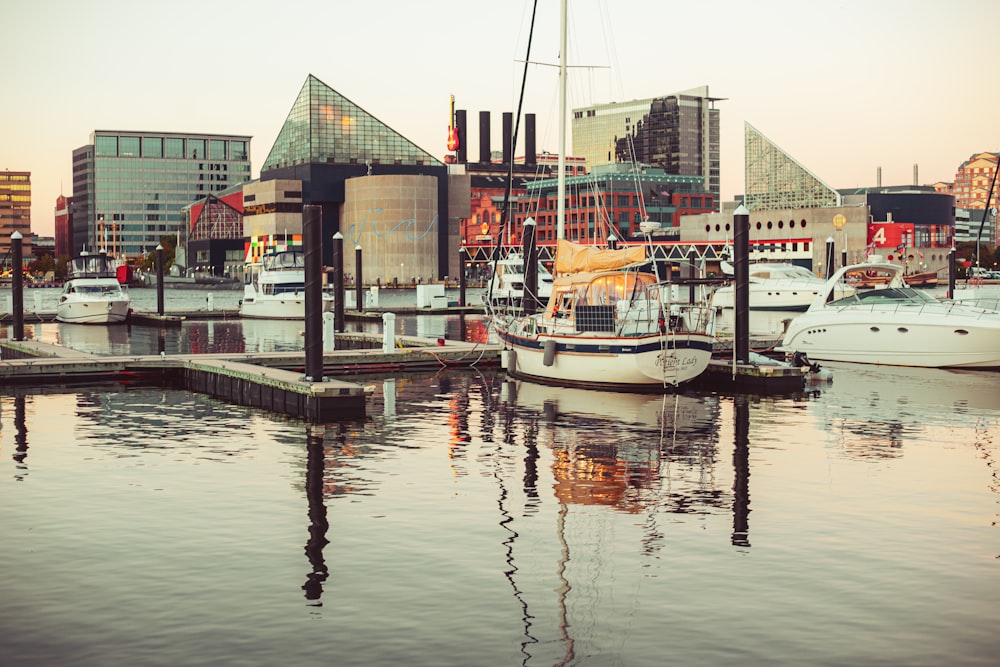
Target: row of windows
point(6, 177)
point(769, 225)
point(170, 147)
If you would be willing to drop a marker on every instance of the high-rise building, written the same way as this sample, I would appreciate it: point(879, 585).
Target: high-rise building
point(64, 226)
point(129, 188)
point(678, 133)
point(15, 210)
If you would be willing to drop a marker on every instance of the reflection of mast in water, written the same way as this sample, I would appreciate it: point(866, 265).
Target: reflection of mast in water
point(564, 589)
point(505, 523)
point(741, 473)
point(318, 524)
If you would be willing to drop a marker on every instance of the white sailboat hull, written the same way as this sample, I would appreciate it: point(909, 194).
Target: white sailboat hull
point(642, 363)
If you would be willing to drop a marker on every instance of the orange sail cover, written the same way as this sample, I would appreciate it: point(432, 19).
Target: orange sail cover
point(577, 257)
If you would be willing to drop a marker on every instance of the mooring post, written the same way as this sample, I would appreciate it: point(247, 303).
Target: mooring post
point(338, 282)
point(388, 332)
point(359, 290)
point(529, 301)
point(462, 252)
point(159, 279)
point(831, 255)
point(329, 334)
point(17, 284)
point(741, 270)
point(952, 272)
point(312, 246)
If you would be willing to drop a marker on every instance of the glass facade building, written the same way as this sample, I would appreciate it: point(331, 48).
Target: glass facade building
point(15, 211)
point(130, 188)
point(678, 133)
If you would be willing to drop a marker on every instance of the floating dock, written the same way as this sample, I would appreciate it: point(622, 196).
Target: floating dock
point(272, 381)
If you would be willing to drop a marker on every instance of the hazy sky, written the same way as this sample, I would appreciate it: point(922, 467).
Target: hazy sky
point(845, 87)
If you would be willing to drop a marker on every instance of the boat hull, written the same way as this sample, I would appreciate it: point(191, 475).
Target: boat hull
point(931, 337)
point(93, 311)
point(279, 307)
point(644, 363)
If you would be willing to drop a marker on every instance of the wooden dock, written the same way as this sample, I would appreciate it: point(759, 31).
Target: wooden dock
point(272, 381)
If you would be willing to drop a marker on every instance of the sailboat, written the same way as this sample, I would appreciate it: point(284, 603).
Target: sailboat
point(610, 322)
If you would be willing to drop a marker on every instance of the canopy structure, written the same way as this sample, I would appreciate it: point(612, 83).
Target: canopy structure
point(578, 257)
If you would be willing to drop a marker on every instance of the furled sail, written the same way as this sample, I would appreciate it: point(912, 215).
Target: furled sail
point(577, 257)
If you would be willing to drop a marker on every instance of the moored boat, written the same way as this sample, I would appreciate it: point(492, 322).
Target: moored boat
point(894, 324)
point(92, 293)
point(274, 287)
point(778, 286)
point(608, 324)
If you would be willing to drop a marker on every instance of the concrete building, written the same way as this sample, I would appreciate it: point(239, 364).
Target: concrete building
point(130, 188)
point(678, 133)
point(15, 211)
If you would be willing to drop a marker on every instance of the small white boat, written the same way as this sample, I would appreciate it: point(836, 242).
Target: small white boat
point(506, 286)
point(91, 293)
point(274, 287)
point(608, 325)
point(893, 324)
point(778, 286)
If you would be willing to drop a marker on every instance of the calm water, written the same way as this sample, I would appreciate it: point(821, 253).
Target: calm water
point(473, 521)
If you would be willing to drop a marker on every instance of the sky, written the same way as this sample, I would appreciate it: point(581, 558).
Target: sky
point(844, 87)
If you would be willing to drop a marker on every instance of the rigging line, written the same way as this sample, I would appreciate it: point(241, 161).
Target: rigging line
point(504, 215)
point(513, 142)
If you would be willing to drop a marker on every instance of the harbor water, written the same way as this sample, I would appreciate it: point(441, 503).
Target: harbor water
point(472, 520)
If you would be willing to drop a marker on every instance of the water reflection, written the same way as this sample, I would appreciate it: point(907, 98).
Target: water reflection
point(318, 524)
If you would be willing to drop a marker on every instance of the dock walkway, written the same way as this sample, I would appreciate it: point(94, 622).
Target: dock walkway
point(272, 381)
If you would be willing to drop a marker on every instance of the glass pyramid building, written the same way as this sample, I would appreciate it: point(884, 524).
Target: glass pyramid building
point(324, 127)
point(775, 180)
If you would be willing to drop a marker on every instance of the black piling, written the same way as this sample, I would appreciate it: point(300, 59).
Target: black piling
point(17, 283)
point(359, 290)
point(312, 245)
point(741, 270)
point(529, 303)
point(338, 282)
point(952, 273)
point(831, 254)
point(159, 279)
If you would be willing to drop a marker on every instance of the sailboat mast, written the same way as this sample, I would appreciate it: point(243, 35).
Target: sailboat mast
point(561, 189)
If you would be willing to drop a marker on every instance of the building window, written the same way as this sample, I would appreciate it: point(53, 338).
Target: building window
point(128, 147)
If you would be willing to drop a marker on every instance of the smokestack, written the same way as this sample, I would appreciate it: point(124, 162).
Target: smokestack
point(462, 154)
point(530, 152)
point(878, 178)
point(508, 131)
point(484, 137)
point(916, 181)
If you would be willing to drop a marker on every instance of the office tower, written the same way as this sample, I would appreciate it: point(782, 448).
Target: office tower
point(15, 211)
point(678, 133)
point(129, 188)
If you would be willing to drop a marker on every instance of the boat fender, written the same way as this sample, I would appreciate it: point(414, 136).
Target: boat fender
point(508, 360)
point(549, 348)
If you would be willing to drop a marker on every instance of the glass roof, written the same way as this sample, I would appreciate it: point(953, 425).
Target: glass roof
point(324, 127)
